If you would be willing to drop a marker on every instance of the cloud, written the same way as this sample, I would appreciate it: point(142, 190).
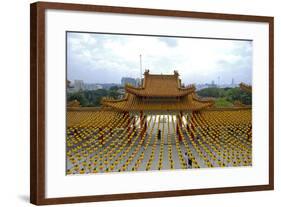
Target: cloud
point(171, 42)
point(105, 58)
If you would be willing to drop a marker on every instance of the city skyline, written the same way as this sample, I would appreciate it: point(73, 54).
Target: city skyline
point(211, 82)
point(105, 58)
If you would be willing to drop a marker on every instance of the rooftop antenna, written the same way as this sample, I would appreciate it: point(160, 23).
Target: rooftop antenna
point(140, 69)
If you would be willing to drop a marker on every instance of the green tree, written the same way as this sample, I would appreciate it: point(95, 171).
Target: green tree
point(210, 92)
point(236, 94)
point(228, 94)
point(114, 88)
point(222, 102)
point(79, 96)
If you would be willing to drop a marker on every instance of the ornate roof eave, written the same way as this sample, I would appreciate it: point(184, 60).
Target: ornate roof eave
point(111, 100)
point(211, 101)
point(128, 104)
point(139, 91)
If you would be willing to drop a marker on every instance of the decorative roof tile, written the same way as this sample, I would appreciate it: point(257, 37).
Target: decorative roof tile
point(159, 85)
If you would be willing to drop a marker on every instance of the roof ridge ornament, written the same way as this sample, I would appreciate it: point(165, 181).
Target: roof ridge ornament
point(146, 72)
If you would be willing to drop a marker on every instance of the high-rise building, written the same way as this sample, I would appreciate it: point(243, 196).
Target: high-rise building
point(79, 85)
point(92, 86)
point(128, 80)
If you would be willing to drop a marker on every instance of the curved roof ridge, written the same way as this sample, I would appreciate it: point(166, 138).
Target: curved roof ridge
point(203, 100)
point(107, 99)
point(188, 87)
point(135, 104)
point(133, 87)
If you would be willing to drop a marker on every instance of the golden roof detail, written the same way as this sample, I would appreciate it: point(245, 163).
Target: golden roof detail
point(159, 93)
point(159, 85)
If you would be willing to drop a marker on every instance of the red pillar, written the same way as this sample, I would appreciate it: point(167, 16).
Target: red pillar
point(128, 124)
point(134, 122)
point(141, 118)
point(145, 124)
point(180, 137)
point(179, 124)
point(192, 121)
point(110, 131)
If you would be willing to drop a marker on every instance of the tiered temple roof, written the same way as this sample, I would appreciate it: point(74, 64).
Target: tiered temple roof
point(160, 86)
point(159, 92)
point(245, 87)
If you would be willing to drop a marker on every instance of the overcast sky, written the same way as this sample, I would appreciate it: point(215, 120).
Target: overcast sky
point(105, 58)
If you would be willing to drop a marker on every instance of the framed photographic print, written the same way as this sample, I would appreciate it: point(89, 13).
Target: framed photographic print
point(130, 103)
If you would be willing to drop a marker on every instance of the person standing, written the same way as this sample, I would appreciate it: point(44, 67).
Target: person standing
point(159, 134)
point(186, 159)
point(190, 162)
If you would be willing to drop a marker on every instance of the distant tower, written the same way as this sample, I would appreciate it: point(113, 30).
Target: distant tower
point(140, 68)
point(218, 80)
point(232, 81)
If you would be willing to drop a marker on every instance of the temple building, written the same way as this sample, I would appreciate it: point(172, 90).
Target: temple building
point(159, 93)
